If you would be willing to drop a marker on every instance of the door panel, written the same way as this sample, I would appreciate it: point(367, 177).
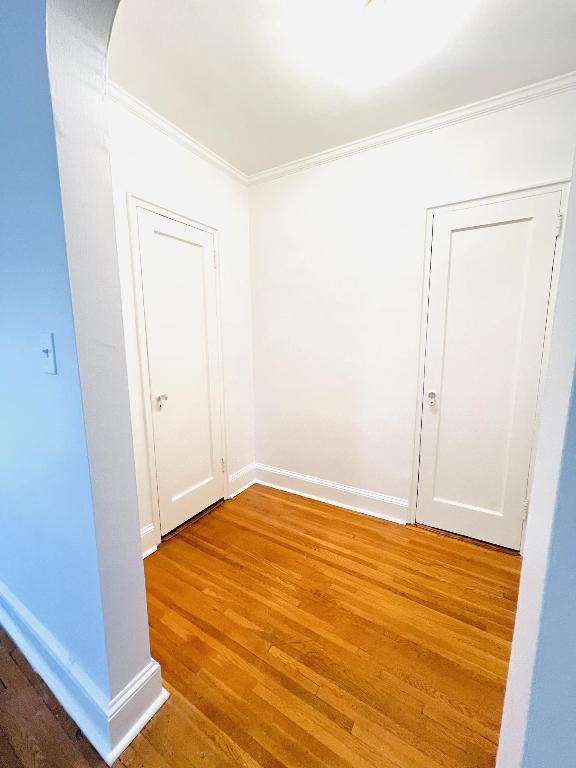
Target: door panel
point(179, 287)
point(491, 268)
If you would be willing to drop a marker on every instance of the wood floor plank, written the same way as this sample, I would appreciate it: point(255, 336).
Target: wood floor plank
point(8, 757)
point(29, 725)
point(294, 634)
point(402, 631)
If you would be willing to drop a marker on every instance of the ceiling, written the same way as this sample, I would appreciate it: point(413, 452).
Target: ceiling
point(265, 82)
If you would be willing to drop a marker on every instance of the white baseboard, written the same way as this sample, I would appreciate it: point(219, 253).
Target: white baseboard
point(149, 551)
point(150, 539)
point(371, 503)
point(129, 730)
point(241, 480)
point(109, 725)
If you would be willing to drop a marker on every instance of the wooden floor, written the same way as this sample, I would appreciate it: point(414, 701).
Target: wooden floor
point(292, 633)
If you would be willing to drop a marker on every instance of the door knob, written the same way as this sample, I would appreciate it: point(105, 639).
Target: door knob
point(160, 400)
point(432, 396)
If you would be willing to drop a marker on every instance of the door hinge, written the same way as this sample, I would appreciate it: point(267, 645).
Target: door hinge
point(215, 256)
point(222, 464)
point(560, 222)
point(525, 513)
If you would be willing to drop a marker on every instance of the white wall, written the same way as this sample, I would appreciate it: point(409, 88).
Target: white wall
point(337, 264)
point(151, 165)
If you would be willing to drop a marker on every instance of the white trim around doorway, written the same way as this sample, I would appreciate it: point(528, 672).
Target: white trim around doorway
point(140, 400)
point(562, 186)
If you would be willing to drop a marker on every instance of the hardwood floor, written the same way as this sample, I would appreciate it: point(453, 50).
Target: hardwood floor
point(292, 633)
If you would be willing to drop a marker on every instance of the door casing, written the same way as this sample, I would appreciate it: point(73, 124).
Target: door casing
point(562, 186)
point(144, 393)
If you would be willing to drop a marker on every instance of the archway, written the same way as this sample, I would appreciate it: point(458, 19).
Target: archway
point(77, 43)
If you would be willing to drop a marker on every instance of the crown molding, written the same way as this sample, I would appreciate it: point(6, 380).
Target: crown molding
point(528, 93)
point(534, 92)
point(118, 95)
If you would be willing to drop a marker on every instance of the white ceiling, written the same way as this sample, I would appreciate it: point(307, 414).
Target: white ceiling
point(264, 82)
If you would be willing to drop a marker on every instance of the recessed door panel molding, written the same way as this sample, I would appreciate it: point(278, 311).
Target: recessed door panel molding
point(489, 290)
point(180, 316)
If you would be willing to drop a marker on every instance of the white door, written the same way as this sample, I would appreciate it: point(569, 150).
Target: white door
point(490, 276)
point(181, 328)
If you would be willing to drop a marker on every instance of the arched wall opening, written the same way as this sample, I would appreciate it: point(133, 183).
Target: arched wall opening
point(112, 700)
point(71, 579)
point(77, 43)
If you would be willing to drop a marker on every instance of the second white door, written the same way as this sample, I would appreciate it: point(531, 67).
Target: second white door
point(181, 332)
point(490, 277)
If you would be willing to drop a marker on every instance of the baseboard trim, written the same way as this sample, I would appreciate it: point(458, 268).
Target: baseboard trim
point(241, 480)
point(136, 727)
point(149, 551)
point(371, 503)
point(109, 725)
point(149, 538)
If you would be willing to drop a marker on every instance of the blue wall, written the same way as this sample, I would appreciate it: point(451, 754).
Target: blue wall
point(551, 733)
point(48, 549)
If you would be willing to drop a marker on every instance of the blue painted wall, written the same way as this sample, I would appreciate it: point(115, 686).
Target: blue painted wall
point(47, 540)
point(551, 733)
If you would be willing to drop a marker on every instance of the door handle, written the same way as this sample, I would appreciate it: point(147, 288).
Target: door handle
point(160, 400)
point(432, 399)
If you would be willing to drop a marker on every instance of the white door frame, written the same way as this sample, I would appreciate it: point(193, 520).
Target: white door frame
point(562, 186)
point(135, 303)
